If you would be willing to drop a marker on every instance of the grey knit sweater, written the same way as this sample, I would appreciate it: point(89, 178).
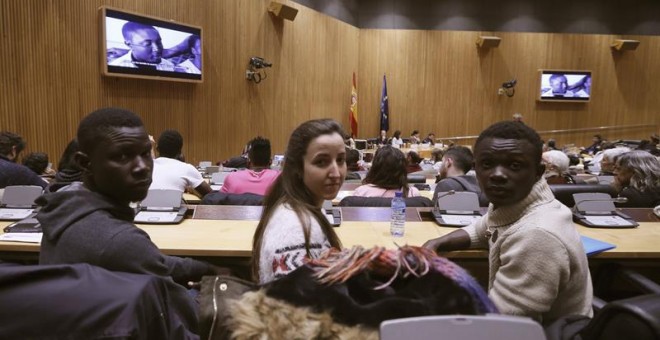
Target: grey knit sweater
point(538, 267)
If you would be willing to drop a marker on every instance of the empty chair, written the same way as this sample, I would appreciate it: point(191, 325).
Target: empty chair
point(463, 327)
point(223, 198)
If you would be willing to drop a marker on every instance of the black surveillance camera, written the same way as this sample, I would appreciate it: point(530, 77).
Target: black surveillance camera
point(258, 62)
point(509, 84)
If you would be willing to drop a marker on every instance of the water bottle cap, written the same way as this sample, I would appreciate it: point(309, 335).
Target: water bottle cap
point(398, 194)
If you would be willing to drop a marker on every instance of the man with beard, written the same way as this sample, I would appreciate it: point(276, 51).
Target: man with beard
point(456, 162)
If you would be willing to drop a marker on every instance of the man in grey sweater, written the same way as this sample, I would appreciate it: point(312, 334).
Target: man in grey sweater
point(456, 163)
point(93, 223)
point(537, 265)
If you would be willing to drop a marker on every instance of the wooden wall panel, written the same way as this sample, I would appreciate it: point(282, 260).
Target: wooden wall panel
point(439, 81)
point(51, 76)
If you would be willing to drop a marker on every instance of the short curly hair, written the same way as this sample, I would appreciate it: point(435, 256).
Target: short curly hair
point(36, 161)
point(170, 143)
point(100, 122)
point(9, 140)
point(513, 130)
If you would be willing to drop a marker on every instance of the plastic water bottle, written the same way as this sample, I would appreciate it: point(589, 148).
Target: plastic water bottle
point(398, 220)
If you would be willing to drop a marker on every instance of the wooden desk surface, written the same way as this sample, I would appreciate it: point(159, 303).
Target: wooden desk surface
point(234, 238)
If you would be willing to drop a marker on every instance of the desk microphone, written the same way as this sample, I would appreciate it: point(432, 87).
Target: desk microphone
point(611, 199)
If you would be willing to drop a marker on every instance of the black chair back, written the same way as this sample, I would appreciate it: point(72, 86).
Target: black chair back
point(564, 192)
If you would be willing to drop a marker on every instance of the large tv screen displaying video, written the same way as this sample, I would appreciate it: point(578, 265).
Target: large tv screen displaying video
point(560, 85)
point(140, 46)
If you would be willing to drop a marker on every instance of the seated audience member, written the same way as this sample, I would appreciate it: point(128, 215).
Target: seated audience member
point(456, 163)
point(551, 145)
point(556, 168)
point(386, 176)
point(538, 267)
point(413, 160)
point(430, 139)
point(38, 163)
point(68, 171)
point(94, 224)
point(436, 157)
point(293, 226)
point(595, 146)
point(608, 160)
point(396, 140)
point(12, 173)
point(414, 137)
point(637, 178)
point(517, 117)
point(382, 139)
point(352, 166)
point(172, 174)
point(258, 177)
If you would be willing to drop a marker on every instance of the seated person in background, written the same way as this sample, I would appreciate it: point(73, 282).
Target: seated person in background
point(12, 173)
point(68, 171)
point(456, 163)
point(556, 168)
point(430, 139)
point(595, 146)
point(396, 140)
point(608, 160)
point(38, 163)
point(386, 176)
point(293, 226)
point(551, 145)
point(436, 158)
point(146, 48)
point(637, 178)
point(352, 166)
point(94, 224)
point(172, 174)
point(382, 139)
point(258, 178)
point(414, 137)
point(538, 266)
point(413, 160)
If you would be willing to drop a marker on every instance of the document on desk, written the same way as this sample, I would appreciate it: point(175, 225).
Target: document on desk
point(155, 216)
point(459, 219)
point(22, 237)
point(17, 214)
point(613, 220)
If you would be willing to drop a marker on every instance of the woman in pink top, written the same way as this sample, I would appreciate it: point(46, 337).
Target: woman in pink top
point(387, 175)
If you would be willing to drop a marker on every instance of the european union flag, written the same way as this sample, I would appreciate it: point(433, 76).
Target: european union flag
point(384, 108)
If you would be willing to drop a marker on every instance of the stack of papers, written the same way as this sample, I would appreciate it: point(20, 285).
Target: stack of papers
point(22, 237)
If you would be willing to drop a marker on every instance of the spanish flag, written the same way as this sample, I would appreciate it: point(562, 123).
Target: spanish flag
point(353, 114)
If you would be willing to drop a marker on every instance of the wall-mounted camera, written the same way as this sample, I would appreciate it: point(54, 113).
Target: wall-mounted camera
point(253, 73)
point(508, 88)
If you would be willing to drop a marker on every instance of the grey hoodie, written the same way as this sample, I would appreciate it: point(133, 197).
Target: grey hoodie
point(81, 226)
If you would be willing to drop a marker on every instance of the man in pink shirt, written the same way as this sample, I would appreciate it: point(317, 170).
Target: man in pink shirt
point(258, 177)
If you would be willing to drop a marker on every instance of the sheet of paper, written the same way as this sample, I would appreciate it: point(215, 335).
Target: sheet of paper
point(22, 237)
point(608, 221)
point(17, 214)
point(216, 187)
point(153, 216)
point(459, 219)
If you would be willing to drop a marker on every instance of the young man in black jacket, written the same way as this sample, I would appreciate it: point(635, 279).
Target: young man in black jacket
point(92, 222)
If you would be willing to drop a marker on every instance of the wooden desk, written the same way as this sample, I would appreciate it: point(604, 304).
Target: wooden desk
point(234, 238)
point(253, 213)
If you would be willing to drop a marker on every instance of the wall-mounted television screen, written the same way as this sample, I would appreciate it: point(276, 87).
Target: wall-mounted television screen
point(139, 46)
point(561, 85)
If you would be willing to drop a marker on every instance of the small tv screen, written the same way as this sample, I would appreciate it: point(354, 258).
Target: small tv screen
point(559, 85)
point(140, 46)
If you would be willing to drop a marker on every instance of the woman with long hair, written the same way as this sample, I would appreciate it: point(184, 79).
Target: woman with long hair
point(293, 226)
point(387, 175)
point(637, 178)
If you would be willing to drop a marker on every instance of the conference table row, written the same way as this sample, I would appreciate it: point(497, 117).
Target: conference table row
point(227, 231)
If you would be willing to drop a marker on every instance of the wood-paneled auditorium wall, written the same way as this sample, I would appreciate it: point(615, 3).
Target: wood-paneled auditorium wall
point(51, 74)
point(439, 81)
